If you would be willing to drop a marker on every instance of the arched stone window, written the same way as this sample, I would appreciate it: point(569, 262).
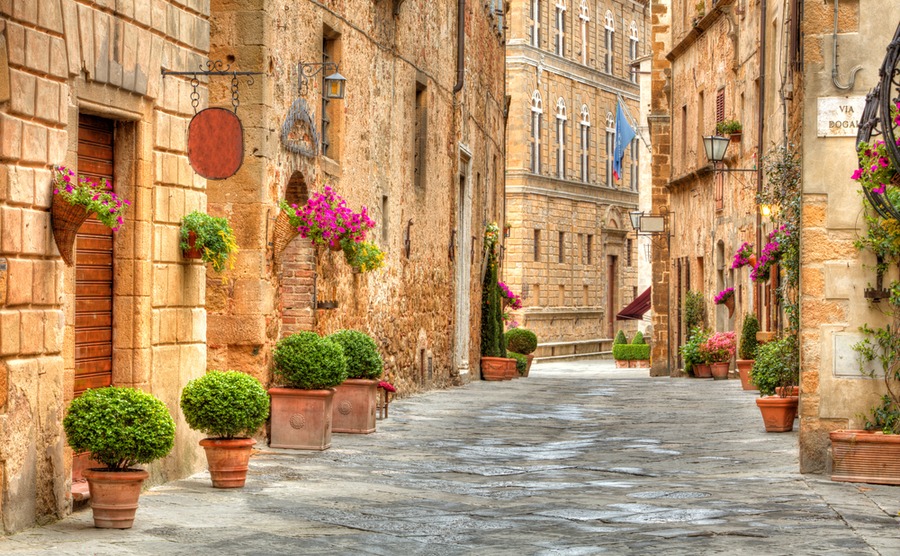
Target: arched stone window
point(610, 147)
point(585, 143)
point(536, 23)
point(585, 18)
point(633, 47)
point(560, 27)
point(609, 31)
point(561, 137)
point(537, 111)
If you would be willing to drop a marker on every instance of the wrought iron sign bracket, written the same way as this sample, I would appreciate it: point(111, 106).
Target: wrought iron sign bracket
point(215, 68)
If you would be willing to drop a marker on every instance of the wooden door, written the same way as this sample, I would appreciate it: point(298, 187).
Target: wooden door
point(94, 264)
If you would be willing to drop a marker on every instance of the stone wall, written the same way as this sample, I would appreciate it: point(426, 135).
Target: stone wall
point(408, 305)
point(834, 394)
point(59, 59)
point(565, 283)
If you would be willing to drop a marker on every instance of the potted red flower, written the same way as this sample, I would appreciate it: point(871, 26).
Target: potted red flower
point(718, 350)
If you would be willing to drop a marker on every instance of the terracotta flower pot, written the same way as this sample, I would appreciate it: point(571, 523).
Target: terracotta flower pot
point(354, 406)
point(752, 260)
point(702, 370)
point(719, 371)
point(778, 413)
point(744, 366)
point(228, 460)
point(860, 456)
point(735, 136)
point(729, 303)
point(511, 371)
point(114, 496)
point(493, 368)
point(192, 252)
point(301, 419)
point(622, 364)
point(530, 358)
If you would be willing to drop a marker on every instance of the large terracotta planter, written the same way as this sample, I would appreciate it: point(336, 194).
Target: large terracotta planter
point(511, 371)
point(301, 419)
point(719, 371)
point(493, 368)
point(641, 363)
point(778, 413)
point(744, 366)
point(622, 364)
point(794, 391)
point(114, 496)
point(354, 406)
point(702, 370)
point(530, 358)
point(860, 456)
point(228, 460)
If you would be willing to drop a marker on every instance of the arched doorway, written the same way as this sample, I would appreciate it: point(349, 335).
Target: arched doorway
point(297, 271)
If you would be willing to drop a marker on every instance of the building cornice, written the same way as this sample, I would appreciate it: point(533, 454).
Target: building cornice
point(527, 55)
point(524, 183)
point(708, 20)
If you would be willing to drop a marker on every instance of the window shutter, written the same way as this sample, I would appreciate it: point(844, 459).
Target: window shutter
point(720, 105)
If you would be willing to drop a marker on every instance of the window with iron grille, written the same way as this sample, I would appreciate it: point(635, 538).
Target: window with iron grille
point(330, 125)
point(590, 249)
point(562, 247)
point(421, 134)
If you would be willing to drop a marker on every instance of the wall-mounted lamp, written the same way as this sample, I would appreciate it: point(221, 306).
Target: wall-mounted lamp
point(334, 83)
point(766, 210)
point(715, 147)
point(647, 223)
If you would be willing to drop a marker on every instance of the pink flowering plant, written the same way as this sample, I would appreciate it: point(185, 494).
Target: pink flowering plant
point(875, 172)
point(327, 220)
point(719, 348)
point(509, 298)
point(742, 256)
point(724, 296)
point(771, 253)
point(95, 198)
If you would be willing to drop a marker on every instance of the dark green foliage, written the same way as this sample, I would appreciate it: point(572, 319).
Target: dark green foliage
point(620, 338)
point(631, 352)
point(694, 309)
point(120, 427)
point(885, 417)
point(215, 239)
point(363, 359)
point(521, 340)
point(690, 351)
point(521, 361)
point(309, 362)
point(749, 344)
point(774, 366)
point(493, 341)
point(225, 404)
point(638, 338)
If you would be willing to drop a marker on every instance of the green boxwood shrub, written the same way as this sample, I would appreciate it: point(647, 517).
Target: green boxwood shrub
point(620, 338)
point(225, 404)
point(631, 352)
point(521, 361)
point(772, 367)
point(638, 338)
point(749, 345)
point(521, 340)
point(120, 427)
point(694, 310)
point(309, 362)
point(363, 359)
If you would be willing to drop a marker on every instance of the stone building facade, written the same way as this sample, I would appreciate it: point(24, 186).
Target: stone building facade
point(417, 141)
point(570, 247)
point(80, 86)
point(708, 68)
point(422, 156)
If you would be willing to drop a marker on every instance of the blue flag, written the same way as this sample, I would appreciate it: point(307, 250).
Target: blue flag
point(624, 135)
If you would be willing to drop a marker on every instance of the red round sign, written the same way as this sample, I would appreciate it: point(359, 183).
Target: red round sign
point(216, 143)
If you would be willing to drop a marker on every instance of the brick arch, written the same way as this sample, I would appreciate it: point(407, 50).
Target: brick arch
point(297, 270)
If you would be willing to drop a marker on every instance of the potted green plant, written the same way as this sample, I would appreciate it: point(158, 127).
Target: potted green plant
point(362, 256)
point(694, 361)
point(495, 365)
point(120, 428)
point(354, 398)
point(747, 349)
point(521, 362)
point(731, 128)
point(208, 238)
point(229, 407)
point(522, 341)
point(718, 350)
point(641, 351)
point(620, 354)
point(308, 367)
point(775, 373)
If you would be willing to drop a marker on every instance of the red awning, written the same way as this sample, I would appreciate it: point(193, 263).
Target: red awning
point(636, 309)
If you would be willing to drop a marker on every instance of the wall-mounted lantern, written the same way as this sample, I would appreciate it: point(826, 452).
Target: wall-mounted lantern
point(334, 83)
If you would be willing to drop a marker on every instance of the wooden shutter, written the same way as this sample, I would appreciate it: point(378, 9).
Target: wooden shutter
point(720, 105)
point(94, 265)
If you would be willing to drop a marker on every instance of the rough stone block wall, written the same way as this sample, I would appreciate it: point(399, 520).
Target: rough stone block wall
point(59, 58)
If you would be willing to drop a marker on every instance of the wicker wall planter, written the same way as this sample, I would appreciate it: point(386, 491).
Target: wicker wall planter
point(284, 234)
point(66, 219)
point(860, 456)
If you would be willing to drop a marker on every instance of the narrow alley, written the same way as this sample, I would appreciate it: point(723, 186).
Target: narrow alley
point(579, 458)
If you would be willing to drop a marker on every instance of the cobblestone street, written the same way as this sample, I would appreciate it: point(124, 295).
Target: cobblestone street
point(579, 458)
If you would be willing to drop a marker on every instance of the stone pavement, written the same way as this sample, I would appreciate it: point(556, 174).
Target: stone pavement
point(579, 458)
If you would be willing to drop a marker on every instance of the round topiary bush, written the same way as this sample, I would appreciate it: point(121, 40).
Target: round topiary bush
point(638, 338)
point(225, 404)
point(521, 362)
point(309, 362)
point(363, 359)
point(521, 340)
point(120, 427)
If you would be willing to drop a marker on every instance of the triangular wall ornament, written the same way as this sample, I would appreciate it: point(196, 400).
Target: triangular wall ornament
point(298, 134)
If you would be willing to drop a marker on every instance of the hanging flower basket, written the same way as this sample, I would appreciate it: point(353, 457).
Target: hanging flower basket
point(284, 234)
point(66, 219)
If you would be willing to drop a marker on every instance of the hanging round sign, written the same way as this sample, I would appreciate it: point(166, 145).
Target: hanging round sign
point(216, 143)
